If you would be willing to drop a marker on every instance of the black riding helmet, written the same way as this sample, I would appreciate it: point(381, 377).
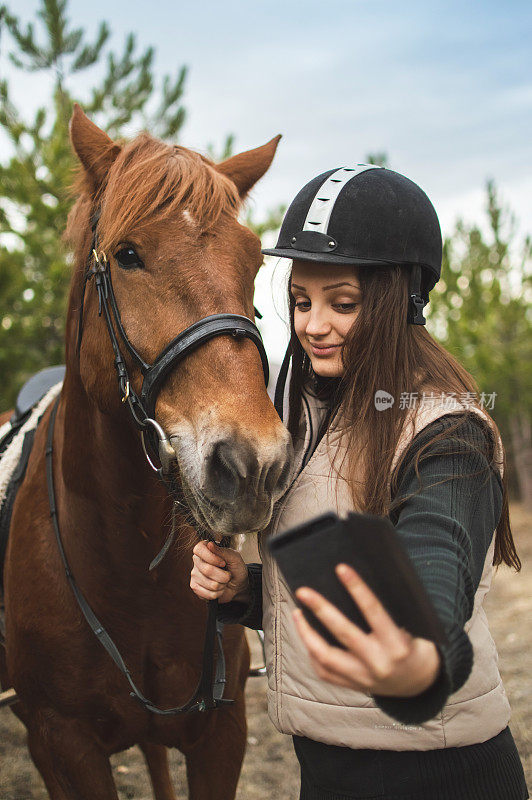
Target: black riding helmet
point(366, 216)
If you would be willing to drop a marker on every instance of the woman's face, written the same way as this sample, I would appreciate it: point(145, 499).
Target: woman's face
point(327, 299)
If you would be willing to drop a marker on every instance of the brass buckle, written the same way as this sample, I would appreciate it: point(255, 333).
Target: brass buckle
point(126, 392)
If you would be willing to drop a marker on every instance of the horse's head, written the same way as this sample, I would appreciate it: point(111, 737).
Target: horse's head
point(177, 253)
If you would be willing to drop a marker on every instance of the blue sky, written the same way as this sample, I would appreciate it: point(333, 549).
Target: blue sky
point(444, 88)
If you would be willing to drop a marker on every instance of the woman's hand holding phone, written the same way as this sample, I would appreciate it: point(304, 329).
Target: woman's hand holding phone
point(386, 661)
point(219, 573)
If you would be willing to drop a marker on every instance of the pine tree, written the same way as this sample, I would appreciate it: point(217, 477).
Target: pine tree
point(481, 312)
point(35, 181)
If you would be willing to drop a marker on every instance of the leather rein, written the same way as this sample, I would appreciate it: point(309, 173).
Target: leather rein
point(209, 691)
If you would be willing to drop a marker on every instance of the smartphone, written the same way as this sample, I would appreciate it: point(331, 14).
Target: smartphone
point(308, 554)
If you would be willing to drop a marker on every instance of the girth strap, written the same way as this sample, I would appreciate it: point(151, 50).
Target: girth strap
point(208, 695)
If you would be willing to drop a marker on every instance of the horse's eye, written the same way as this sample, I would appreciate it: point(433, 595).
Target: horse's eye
point(127, 258)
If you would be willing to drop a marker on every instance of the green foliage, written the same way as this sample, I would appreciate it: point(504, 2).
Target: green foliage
point(35, 180)
point(481, 312)
point(226, 150)
point(481, 307)
point(380, 159)
point(271, 222)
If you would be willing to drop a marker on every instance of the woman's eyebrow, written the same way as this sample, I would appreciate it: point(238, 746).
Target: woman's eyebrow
point(337, 285)
point(331, 286)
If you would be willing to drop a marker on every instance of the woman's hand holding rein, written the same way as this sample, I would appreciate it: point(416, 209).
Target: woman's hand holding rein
point(219, 573)
point(386, 661)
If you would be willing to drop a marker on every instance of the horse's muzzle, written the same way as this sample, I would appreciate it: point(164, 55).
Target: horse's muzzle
point(233, 480)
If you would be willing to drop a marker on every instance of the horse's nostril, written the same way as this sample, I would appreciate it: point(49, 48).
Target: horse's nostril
point(277, 475)
point(224, 472)
point(276, 479)
point(232, 466)
point(287, 467)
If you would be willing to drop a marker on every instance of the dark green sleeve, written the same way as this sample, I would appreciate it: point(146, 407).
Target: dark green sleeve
point(447, 530)
point(249, 615)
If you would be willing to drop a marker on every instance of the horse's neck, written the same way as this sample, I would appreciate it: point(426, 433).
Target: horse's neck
point(110, 501)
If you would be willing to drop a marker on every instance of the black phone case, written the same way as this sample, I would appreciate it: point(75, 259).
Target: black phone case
point(308, 554)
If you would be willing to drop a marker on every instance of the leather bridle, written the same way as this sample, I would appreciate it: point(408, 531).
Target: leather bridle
point(143, 408)
point(209, 692)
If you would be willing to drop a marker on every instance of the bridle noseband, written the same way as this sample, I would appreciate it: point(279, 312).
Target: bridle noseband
point(210, 688)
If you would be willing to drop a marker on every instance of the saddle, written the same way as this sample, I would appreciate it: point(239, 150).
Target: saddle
point(16, 441)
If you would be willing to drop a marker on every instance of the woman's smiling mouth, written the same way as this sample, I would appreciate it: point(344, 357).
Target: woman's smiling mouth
point(323, 350)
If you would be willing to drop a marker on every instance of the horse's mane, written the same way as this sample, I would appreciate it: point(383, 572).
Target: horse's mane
point(152, 180)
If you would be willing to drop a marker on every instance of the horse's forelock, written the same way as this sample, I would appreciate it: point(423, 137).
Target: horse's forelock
point(153, 180)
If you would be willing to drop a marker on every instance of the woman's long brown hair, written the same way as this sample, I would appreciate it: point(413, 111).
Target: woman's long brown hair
point(384, 352)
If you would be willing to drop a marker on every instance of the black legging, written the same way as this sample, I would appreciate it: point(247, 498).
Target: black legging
point(491, 770)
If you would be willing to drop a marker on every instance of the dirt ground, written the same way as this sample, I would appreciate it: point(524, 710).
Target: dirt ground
point(270, 767)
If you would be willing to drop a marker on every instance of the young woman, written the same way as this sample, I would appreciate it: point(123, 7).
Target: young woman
point(383, 421)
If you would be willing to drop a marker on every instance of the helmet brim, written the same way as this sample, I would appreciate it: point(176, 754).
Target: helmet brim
point(324, 258)
point(334, 258)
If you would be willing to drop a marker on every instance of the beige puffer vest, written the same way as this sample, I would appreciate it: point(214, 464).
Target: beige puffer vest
point(301, 703)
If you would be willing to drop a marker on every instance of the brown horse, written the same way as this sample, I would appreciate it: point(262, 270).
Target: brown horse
point(174, 215)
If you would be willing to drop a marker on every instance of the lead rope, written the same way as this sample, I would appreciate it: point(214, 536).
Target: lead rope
point(208, 694)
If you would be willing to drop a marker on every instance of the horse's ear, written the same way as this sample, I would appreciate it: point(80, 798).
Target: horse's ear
point(93, 147)
point(245, 169)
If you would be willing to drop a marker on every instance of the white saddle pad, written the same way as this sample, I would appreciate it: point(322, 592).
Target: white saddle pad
point(11, 456)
